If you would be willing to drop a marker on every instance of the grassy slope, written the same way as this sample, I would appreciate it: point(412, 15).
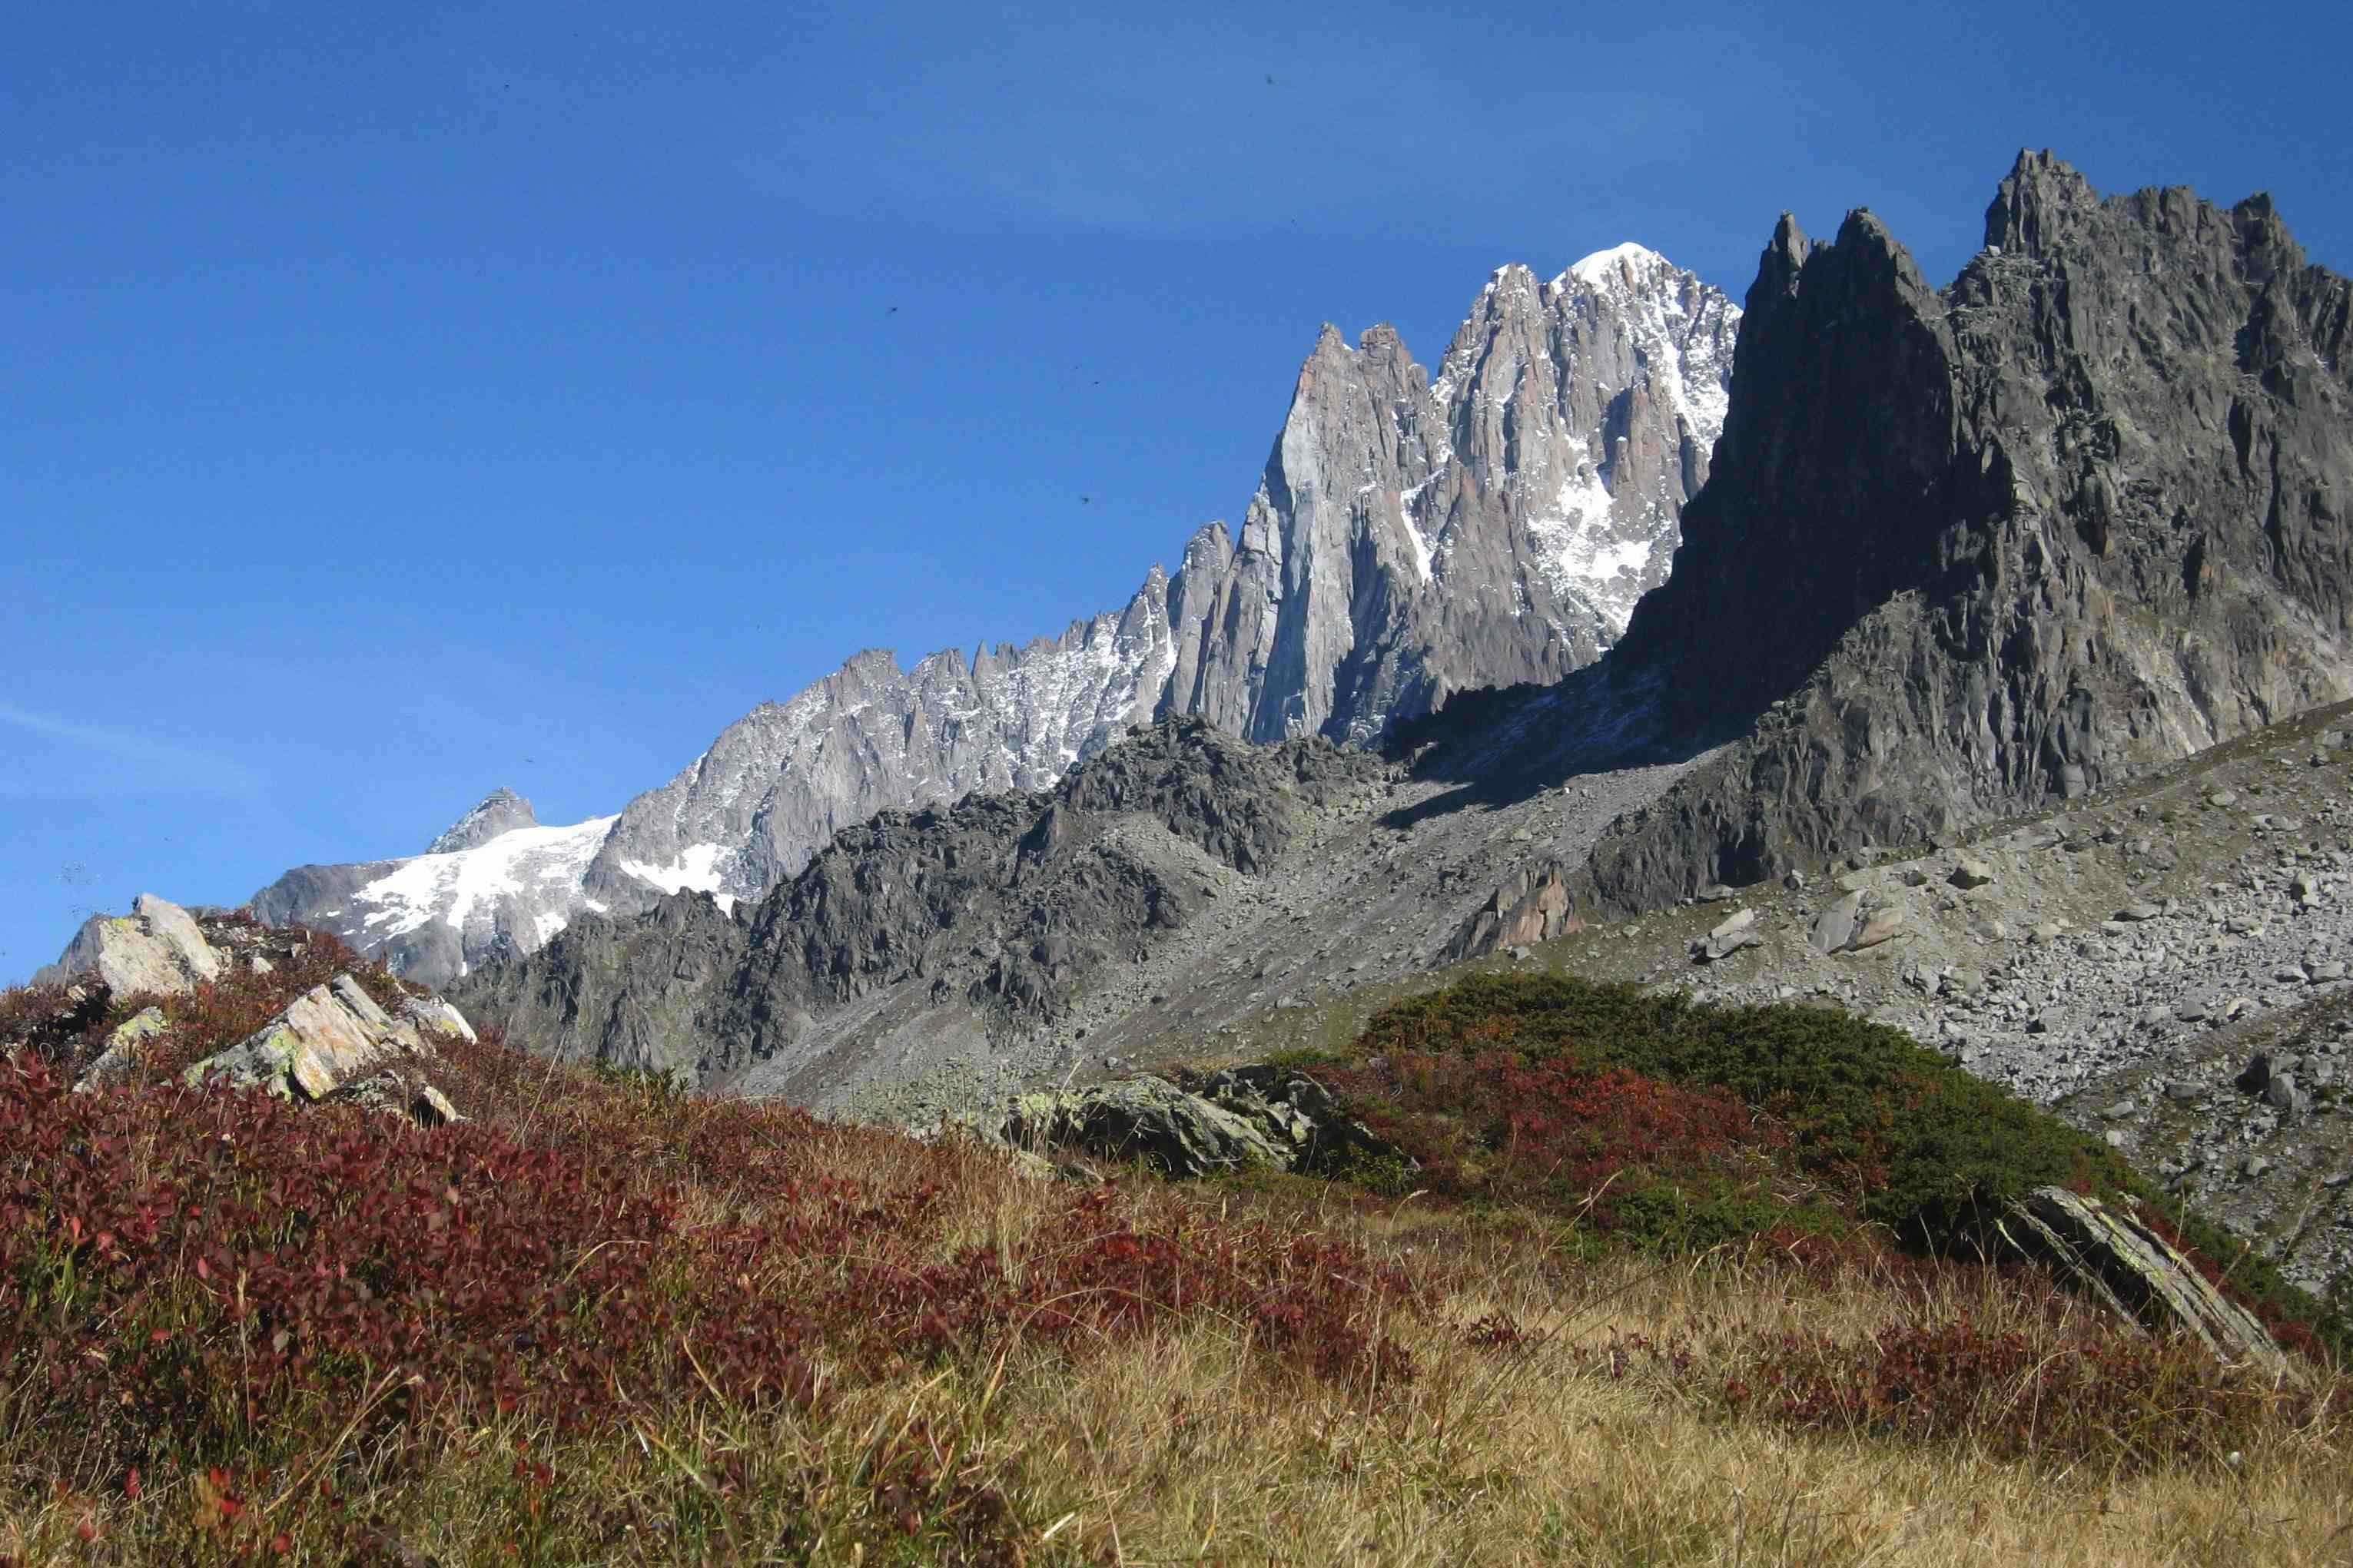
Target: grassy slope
point(602, 1321)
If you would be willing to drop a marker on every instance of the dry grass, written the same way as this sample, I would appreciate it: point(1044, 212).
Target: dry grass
point(1560, 1453)
point(1187, 1446)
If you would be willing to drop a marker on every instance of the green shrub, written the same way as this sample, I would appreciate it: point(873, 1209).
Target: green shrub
point(1905, 1137)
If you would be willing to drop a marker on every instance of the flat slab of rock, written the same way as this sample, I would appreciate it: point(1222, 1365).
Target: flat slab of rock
point(154, 948)
point(1835, 926)
point(2136, 1272)
point(1729, 937)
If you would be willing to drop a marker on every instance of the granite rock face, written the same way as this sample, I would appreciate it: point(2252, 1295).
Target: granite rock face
point(1964, 553)
point(1412, 537)
point(1407, 539)
point(780, 782)
point(924, 938)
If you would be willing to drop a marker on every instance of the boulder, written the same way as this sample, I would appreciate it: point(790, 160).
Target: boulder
point(1883, 926)
point(2136, 1272)
point(330, 1036)
point(1259, 1118)
point(1970, 874)
point(434, 1016)
point(1729, 937)
point(1835, 926)
point(2283, 1095)
point(154, 948)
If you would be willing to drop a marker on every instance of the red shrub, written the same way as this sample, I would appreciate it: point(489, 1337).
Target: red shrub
point(1498, 1128)
point(207, 1276)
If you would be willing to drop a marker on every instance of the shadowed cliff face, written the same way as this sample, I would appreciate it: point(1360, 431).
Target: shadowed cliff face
point(1964, 552)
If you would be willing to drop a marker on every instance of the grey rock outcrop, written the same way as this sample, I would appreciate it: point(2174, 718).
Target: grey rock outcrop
point(1251, 1118)
point(1530, 907)
point(156, 948)
point(2080, 514)
point(2136, 1272)
point(124, 1043)
point(329, 1039)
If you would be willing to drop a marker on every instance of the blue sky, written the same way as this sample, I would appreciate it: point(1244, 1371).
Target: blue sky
point(404, 400)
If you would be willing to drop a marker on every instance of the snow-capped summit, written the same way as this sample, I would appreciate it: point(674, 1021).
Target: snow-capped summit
point(1620, 265)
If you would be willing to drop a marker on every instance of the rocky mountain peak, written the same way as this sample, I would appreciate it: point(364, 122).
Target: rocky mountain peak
point(1968, 550)
point(2038, 201)
point(500, 811)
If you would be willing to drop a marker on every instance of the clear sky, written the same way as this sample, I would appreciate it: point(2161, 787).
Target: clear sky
point(401, 399)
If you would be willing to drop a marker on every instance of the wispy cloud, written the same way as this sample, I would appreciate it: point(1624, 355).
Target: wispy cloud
point(115, 762)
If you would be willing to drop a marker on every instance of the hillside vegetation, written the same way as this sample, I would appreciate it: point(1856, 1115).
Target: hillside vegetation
point(1669, 1285)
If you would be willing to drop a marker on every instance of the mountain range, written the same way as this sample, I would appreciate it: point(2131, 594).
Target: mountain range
point(1960, 555)
point(1409, 538)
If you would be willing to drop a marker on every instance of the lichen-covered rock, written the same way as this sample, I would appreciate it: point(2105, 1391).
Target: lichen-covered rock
point(2136, 1272)
point(1150, 1119)
point(329, 1036)
point(156, 947)
point(1248, 1118)
point(123, 1048)
point(433, 1016)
